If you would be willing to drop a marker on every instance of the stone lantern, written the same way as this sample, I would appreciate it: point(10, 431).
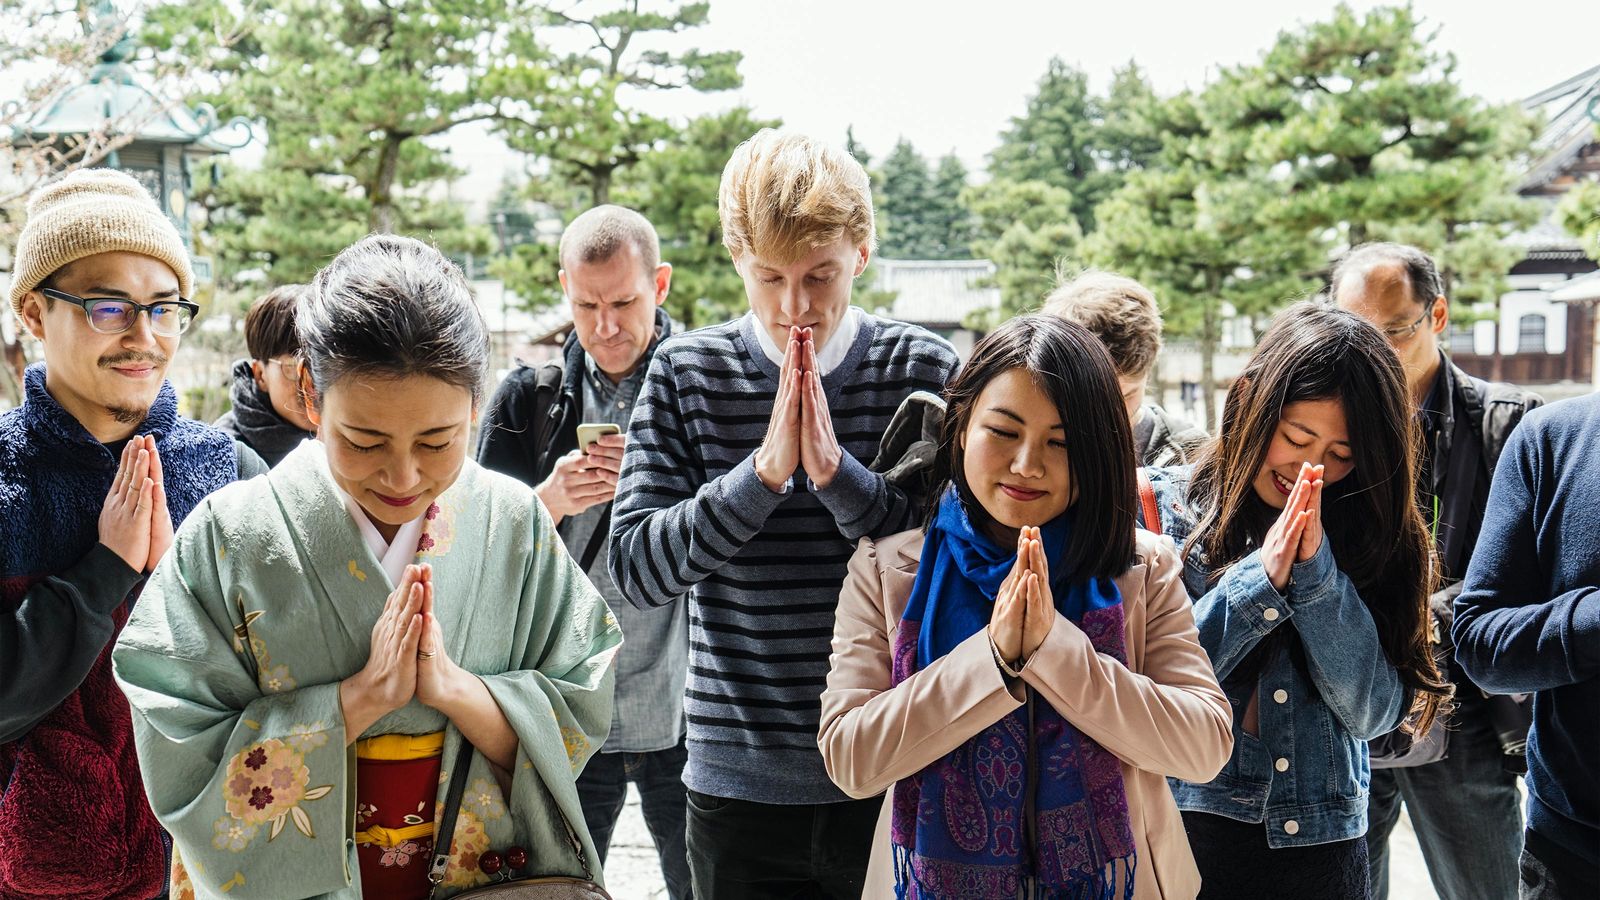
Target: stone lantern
point(167, 139)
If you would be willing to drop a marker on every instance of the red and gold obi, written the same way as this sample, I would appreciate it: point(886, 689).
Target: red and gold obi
point(397, 780)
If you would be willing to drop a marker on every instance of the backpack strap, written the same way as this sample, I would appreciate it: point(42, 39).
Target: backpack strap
point(1147, 501)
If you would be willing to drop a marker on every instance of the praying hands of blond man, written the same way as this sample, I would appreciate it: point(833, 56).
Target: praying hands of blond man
point(800, 432)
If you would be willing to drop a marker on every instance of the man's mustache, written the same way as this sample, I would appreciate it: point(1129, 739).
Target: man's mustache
point(133, 356)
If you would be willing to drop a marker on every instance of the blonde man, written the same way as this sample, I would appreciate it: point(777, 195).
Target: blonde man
point(745, 486)
point(1123, 314)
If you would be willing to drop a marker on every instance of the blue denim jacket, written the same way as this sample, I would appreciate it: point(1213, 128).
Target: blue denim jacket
point(1306, 775)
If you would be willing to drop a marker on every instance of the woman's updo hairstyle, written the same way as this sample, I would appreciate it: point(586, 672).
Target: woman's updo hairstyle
point(391, 306)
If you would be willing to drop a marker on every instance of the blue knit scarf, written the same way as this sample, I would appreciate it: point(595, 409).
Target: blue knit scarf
point(960, 826)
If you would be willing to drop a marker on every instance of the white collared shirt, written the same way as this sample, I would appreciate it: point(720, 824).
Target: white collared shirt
point(833, 353)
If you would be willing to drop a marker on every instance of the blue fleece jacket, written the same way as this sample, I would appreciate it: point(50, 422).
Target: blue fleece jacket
point(1528, 619)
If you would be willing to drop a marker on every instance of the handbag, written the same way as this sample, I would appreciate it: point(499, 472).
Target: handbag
point(510, 886)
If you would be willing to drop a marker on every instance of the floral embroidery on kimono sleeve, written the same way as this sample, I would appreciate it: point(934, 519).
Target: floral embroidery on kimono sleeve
point(267, 784)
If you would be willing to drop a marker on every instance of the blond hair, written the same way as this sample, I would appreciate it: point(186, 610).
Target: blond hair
point(1121, 312)
point(784, 194)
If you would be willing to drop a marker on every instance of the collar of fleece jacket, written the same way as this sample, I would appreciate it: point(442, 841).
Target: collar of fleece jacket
point(54, 476)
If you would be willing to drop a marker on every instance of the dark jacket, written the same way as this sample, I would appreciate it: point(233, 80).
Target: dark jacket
point(254, 422)
point(532, 419)
point(1472, 410)
point(1465, 424)
point(1528, 620)
point(69, 776)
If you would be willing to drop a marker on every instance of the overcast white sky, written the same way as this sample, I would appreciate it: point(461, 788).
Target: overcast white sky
point(949, 74)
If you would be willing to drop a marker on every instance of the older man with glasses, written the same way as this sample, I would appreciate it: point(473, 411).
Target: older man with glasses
point(96, 470)
point(1460, 786)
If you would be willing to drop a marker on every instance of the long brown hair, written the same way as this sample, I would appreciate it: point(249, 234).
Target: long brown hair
point(1073, 369)
point(1370, 517)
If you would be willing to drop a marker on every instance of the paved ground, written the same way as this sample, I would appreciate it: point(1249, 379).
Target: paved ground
point(633, 873)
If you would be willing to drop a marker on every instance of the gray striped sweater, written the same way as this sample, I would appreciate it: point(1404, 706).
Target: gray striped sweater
point(763, 570)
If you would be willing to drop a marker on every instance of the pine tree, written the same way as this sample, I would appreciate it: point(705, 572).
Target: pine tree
point(1056, 140)
point(1028, 231)
point(955, 226)
point(580, 119)
point(907, 226)
point(1371, 137)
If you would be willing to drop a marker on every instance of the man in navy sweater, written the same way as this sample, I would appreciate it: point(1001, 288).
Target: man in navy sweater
point(96, 470)
point(1528, 621)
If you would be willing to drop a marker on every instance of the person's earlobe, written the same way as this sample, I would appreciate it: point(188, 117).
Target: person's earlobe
point(663, 282)
point(33, 314)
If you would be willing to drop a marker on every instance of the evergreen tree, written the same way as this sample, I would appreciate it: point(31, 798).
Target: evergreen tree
point(348, 94)
point(1370, 137)
point(1056, 141)
point(1028, 231)
point(1129, 138)
point(956, 228)
point(578, 117)
point(1191, 231)
point(1580, 215)
point(907, 223)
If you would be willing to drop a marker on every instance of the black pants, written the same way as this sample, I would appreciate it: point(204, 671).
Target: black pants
point(742, 850)
point(1236, 864)
point(603, 787)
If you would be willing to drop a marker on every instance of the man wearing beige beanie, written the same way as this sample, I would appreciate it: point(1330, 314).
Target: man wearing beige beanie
point(96, 470)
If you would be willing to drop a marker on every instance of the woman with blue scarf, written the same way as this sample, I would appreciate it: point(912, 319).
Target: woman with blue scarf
point(1023, 673)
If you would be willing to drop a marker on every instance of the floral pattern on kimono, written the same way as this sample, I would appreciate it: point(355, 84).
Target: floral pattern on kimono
point(233, 657)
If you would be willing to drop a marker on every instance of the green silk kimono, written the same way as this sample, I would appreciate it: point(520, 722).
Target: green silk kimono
point(233, 657)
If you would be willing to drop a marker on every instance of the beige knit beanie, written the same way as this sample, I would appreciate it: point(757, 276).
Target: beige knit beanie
point(93, 211)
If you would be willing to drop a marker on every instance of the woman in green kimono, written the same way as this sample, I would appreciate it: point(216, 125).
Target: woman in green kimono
point(323, 642)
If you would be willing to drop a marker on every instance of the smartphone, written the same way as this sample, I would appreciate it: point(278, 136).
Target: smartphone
point(590, 432)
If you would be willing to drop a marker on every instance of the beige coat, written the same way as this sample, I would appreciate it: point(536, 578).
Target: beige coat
point(1162, 714)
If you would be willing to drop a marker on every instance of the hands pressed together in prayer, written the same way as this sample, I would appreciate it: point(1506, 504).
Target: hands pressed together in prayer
point(1024, 609)
point(134, 521)
point(800, 432)
point(407, 660)
point(1297, 534)
point(584, 477)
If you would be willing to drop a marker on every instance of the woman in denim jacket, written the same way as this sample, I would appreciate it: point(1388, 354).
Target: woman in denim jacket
point(1309, 565)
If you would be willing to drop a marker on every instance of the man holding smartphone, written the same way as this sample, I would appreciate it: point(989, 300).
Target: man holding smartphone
point(559, 428)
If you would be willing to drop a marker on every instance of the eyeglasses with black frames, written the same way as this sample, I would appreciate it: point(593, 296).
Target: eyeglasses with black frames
point(112, 315)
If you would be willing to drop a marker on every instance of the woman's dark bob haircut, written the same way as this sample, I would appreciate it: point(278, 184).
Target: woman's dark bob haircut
point(392, 307)
point(1073, 369)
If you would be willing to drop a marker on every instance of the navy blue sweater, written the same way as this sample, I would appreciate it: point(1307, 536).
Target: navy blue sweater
point(1528, 619)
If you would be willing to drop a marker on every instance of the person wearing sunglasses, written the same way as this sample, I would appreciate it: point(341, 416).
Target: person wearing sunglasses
point(96, 470)
point(1460, 788)
point(269, 410)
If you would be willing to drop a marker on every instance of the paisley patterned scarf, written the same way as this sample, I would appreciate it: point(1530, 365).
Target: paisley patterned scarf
point(960, 827)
